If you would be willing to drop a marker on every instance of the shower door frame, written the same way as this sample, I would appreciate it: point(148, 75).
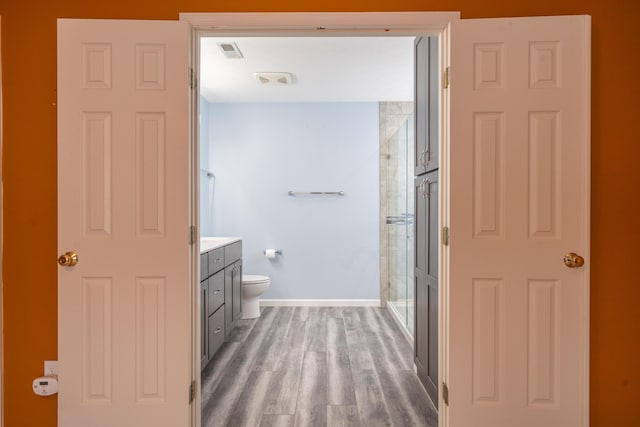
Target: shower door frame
point(434, 24)
point(406, 324)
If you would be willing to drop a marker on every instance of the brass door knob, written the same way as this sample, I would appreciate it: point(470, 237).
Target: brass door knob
point(68, 260)
point(572, 260)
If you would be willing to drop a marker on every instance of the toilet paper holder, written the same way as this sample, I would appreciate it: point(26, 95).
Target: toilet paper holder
point(278, 251)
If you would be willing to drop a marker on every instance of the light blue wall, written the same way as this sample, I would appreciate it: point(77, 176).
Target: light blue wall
point(261, 151)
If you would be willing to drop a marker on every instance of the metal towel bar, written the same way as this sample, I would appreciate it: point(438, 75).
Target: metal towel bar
point(314, 193)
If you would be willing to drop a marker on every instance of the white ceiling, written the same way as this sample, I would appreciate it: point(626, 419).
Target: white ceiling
point(325, 69)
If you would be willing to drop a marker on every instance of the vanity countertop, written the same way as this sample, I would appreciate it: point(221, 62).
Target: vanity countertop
point(209, 243)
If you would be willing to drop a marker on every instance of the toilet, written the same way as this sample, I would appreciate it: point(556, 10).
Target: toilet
point(252, 287)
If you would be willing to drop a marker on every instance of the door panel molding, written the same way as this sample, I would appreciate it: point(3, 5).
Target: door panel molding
point(520, 200)
point(124, 311)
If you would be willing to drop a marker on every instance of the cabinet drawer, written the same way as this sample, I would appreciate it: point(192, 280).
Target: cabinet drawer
point(204, 266)
point(216, 260)
point(216, 292)
point(216, 331)
point(232, 253)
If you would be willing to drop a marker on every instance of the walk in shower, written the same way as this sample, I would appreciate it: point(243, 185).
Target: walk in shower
point(399, 222)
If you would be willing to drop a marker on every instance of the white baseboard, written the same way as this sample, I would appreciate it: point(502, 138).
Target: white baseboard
point(319, 302)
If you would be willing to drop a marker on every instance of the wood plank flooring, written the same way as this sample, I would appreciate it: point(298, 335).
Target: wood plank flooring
point(315, 366)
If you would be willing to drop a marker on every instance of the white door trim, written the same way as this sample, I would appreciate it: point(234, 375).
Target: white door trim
point(333, 24)
point(1, 247)
point(302, 22)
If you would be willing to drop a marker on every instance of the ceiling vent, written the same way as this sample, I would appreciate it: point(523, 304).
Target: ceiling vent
point(274, 79)
point(230, 50)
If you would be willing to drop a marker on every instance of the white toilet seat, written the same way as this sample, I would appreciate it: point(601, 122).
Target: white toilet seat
point(252, 279)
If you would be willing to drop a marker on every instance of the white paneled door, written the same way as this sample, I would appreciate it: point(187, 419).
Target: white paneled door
point(123, 197)
point(517, 337)
point(519, 203)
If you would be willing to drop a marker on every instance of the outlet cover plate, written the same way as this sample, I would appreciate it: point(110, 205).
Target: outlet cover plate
point(50, 367)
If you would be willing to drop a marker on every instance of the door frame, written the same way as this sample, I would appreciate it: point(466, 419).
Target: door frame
point(1, 246)
point(332, 24)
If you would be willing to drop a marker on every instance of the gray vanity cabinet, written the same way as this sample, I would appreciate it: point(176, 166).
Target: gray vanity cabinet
point(215, 292)
point(233, 295)
point(204, 274)
point(232, 253)
point(237, 293)
point(204, 266)
point(215, 331)
point(216, 260)
point(204, 355)
point(220, 297)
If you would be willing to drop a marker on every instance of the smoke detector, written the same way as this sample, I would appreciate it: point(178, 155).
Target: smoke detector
point(230, 50)
point(274, 79)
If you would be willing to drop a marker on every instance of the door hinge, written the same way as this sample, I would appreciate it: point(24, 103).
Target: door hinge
point(193, 234)
point(445, 393)
point(192, 392)
point(445, 236)
point(446, 78)
point(192, 78)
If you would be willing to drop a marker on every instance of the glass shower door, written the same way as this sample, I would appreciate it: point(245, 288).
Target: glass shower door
point(400, 222)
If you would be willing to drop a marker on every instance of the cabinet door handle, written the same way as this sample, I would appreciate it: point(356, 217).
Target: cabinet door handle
point(425, 157)
point(424, 187)
point(217, 331)
point(216, 292)
point(217, 260)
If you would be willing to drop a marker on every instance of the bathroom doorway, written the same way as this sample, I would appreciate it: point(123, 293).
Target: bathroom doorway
point(359, 147)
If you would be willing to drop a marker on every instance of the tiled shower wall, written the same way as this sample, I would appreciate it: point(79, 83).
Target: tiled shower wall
point(392, 116)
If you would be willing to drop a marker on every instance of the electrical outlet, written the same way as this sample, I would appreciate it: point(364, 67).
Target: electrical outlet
point(50, 367)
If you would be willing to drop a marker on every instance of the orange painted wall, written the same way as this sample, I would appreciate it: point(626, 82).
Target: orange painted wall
point(29, 173)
